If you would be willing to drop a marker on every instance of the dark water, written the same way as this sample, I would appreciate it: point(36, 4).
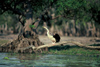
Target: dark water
point(31, 60)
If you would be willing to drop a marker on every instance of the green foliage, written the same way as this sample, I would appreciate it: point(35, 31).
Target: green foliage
point(31, 26)
point(6, 58)
point(70, 4)
point(10, 19)
point(79, 9)
point(74, 50)
point(18, 6)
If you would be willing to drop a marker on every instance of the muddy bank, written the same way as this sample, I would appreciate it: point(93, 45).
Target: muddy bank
point(45, 39)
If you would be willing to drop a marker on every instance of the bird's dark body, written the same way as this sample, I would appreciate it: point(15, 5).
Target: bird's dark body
point(57, 37)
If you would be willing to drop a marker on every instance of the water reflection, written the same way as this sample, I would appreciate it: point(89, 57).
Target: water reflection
point(34, 60)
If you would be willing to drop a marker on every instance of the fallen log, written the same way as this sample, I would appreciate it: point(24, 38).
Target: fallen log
point(73, 42)
point(59, 44)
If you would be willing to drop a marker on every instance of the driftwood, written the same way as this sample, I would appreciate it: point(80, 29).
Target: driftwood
point(59, 44)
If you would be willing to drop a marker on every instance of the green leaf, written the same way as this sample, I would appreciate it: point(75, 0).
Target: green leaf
point(31, 26)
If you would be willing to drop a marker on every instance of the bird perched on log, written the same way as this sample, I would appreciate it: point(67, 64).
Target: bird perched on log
point(54, 38)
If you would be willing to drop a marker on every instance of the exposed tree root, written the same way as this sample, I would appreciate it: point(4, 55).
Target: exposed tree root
point(21, 42)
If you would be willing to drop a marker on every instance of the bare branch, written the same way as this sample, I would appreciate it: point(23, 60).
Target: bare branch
point(20, 20)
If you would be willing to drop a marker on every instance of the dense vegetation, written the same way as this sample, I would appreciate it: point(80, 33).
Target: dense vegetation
point(53, 12)
point(84, 10)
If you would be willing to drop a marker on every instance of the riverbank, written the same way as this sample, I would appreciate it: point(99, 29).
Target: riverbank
point(65, 50)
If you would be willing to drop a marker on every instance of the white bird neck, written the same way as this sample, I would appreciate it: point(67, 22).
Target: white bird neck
point(47, 31)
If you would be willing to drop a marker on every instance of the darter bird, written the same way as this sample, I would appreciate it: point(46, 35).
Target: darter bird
point(54, 38)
